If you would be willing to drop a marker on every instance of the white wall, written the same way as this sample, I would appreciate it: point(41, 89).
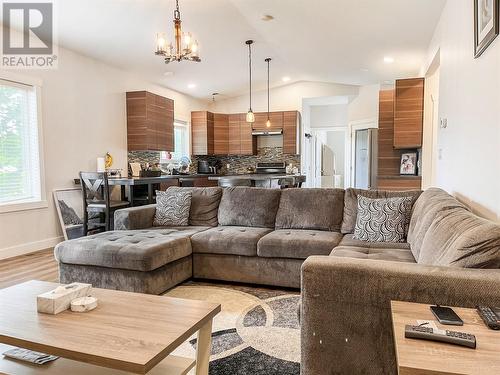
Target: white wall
point(469, 97)
point(365, 106)
point(84, 116)
point(283, 98)
point(329, 115)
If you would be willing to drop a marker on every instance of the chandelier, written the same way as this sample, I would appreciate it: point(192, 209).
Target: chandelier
point(185, 47)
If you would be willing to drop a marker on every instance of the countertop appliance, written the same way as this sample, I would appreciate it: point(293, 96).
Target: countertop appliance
point(271, 168)
point(204, 167)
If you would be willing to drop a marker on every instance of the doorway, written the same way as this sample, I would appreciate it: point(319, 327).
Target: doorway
point(330, 157)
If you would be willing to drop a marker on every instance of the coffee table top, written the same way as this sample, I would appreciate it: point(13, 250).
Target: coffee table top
point(421, 357)
point(127, 331)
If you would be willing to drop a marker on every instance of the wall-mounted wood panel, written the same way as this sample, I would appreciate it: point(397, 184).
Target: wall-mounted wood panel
point(150, 122)
point(408, 113)
point(221, 134)
point(400, 184)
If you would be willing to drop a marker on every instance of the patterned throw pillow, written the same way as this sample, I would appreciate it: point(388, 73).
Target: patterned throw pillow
point(383, 220)
point(172, 208)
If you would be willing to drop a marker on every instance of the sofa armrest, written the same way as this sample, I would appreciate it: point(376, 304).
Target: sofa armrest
point(346, 323)
point(135, 217)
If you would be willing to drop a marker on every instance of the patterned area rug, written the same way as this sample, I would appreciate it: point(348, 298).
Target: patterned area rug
point(257, 331)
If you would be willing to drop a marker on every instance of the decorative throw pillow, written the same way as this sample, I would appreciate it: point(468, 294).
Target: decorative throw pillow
point(383, 220)
point(172, 208)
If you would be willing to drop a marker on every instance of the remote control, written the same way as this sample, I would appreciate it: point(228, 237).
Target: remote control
point(451, 337)
point(489, 317)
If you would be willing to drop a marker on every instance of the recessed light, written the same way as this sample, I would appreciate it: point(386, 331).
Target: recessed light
point(285, 79)
point(364, 70)
point(388, 59)
point(191, 85)
point(267, 17)
point(168, 74)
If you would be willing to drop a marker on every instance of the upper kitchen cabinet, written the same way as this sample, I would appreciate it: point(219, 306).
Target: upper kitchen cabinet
point(261, 120)
point(408, 113)
point(221, 134)
point(291, 132)
point(234, 134)
point(150, 122)
point(202, 133)
point(248, 143)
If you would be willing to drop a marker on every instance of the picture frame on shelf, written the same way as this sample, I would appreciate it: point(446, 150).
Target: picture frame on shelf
point(486, 24)
point(408, 164)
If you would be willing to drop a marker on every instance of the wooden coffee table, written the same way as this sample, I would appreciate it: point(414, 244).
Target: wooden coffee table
point(422, 357)
point(126, 333)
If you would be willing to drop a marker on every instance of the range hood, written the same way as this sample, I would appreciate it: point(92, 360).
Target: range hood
point(269, 132)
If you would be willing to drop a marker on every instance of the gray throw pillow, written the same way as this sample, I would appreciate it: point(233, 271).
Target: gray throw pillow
point(172, 208)
point(383, 220)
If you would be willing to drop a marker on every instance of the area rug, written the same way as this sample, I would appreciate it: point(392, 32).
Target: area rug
point(256, 333)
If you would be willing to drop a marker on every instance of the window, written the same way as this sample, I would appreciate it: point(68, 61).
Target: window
point(20, 172)
point(181, 143)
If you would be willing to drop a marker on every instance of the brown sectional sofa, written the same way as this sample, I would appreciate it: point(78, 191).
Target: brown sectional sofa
point(303, 238)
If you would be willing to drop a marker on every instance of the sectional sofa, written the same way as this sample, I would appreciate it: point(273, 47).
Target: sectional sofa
point(268, 236)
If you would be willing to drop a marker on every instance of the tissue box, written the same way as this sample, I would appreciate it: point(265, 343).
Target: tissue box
point(59, 299)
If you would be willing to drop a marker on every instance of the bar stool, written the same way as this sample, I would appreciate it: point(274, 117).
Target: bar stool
point(96, 199)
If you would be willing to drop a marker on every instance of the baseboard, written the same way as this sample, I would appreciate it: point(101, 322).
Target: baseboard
point(29, 247)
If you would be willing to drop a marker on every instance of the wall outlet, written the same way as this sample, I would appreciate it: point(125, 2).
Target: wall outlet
point(228, 166)
point(444, 123)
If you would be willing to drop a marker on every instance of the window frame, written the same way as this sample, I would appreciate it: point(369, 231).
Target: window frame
point(187, 126)
point(42, 201)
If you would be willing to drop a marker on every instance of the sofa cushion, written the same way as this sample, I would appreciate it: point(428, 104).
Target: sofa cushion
point(172, 208)
point(297, 243)
point(235, 240)
point(428, 205)
point(383, 220)
point(349, 240)
point(139, 250)
point(351, 203)
point(458, 238)
point(204, 204)
point(319, 209)
point(391, 254)
point(249, 207)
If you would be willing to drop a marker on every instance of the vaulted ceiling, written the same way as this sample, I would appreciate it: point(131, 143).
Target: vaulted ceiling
point(342, 41)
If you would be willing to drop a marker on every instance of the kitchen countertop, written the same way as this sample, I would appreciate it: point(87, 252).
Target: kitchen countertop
point(258, 177)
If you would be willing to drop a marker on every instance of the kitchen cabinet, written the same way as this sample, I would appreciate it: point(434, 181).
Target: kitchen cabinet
point(248, 143)
point(150, 122)
point(408, 113)
point(221, 134)
point(261, 120)
point(234, 134)
point(202, 133)
point(291, 135)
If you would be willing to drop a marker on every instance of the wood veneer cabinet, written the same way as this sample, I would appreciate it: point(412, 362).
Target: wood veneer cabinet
point(234, 134)
point(221, 134)
point(202, 133)
point(408, 113)
point(261, 120)
point(150, 122)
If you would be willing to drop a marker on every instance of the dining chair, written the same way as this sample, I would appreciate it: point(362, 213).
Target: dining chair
point(96, 199)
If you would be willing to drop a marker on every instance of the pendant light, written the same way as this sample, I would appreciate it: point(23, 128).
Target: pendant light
point(250, 114)
point(268, 122)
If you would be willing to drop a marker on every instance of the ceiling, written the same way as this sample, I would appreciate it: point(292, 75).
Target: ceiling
point(342, 41)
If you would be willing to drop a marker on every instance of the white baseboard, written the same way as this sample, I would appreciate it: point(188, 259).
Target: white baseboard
point(29, 247)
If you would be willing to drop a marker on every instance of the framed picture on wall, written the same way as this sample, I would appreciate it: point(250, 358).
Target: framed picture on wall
point(408, 166)
point(486, 25)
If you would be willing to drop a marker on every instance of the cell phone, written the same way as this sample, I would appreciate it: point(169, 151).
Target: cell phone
point(446, 315)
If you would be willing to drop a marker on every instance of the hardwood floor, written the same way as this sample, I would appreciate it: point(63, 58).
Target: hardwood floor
point(35, 266)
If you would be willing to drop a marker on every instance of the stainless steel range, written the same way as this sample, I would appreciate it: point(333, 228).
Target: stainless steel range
point(271, 168)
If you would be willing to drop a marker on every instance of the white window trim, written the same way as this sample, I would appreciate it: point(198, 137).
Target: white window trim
point(187, 125)
point(42, 202)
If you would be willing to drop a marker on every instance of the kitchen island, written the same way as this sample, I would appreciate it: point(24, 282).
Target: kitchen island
point(268, 180)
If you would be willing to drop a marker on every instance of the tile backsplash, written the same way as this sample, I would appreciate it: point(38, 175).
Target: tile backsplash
point(238, 163)
point(241, 163)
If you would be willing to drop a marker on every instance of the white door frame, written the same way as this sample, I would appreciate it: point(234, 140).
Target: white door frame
point(352, 128)
point(345, 129)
